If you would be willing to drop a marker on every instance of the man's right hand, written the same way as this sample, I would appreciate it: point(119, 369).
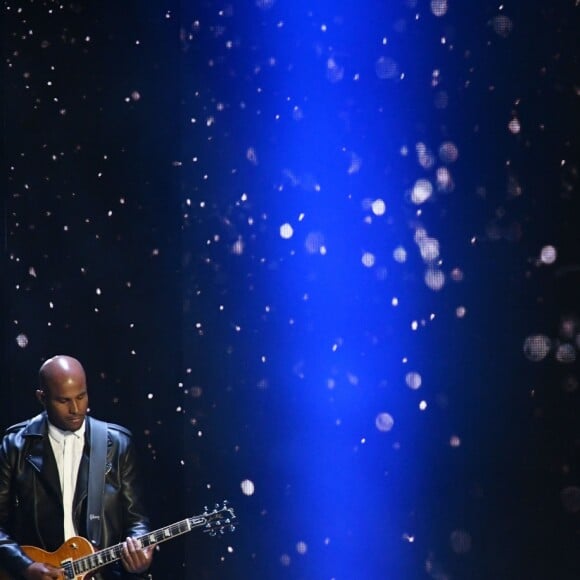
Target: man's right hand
point(39, 571)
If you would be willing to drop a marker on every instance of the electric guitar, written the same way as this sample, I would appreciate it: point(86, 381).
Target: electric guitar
point(78, 558)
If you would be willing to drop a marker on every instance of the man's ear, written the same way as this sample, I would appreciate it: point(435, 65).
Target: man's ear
point(40, 396)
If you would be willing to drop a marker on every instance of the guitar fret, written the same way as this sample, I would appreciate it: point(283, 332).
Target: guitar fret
point(166, 533)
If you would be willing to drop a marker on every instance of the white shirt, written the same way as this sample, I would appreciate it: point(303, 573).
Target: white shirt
point(67, 447)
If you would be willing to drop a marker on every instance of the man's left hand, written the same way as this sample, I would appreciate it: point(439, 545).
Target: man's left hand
point(135, 558)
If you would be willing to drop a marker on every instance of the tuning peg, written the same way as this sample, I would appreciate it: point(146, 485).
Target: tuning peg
point(217, 506)
point(232, 528)
point(226, 502)
point(205, 508)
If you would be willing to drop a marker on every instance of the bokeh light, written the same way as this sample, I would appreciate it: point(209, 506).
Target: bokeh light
point(384, 422)
point(537, 347)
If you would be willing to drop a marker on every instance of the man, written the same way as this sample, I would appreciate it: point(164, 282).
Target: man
point(45, 484)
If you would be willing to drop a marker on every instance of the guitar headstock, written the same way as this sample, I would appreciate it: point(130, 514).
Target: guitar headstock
point(220, 519)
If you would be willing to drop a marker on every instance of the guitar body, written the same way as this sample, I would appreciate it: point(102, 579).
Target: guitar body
point(72, 549)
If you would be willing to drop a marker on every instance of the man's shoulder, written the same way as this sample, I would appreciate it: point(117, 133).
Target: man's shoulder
point(16, 427)
point(32, 424)
point(119, 429)
point(114, 427)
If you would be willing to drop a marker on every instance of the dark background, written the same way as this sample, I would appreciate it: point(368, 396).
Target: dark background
point(145, 143)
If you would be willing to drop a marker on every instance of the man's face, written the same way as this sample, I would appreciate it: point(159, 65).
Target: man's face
point(66, 402)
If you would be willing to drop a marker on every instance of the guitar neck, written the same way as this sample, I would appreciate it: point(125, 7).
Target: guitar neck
point(109, 555)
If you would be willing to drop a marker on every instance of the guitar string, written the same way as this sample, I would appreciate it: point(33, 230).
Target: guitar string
point(93, 561)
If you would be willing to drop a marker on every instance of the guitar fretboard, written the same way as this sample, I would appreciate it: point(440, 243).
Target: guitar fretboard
point(109, 555)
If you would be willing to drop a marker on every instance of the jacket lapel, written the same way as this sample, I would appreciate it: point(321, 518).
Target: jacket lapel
point(40, 455)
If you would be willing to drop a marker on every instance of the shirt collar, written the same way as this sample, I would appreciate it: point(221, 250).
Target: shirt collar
point(59, 434)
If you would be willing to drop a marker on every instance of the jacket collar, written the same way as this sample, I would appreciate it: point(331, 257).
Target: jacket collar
point(37, 426)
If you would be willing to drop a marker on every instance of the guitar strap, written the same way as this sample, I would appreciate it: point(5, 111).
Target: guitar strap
point(97, 462)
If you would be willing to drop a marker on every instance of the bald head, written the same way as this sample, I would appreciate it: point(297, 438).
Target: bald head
point(63, 391)
point(61, 369)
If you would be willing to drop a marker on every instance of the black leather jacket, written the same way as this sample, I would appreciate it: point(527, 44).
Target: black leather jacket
point(30, 497)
